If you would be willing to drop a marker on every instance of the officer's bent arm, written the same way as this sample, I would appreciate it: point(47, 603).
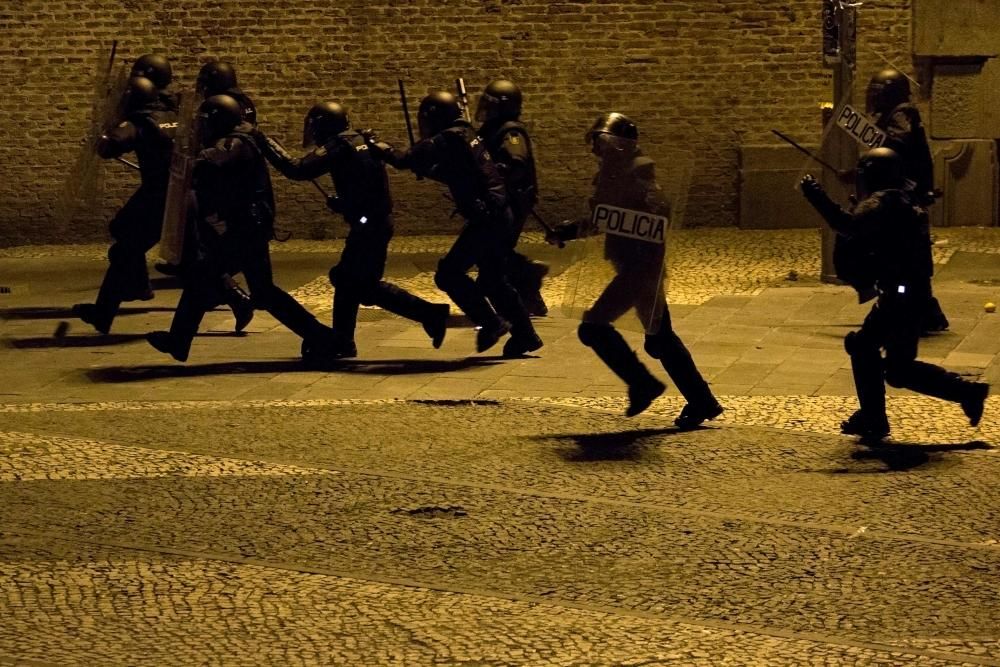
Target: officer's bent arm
point(117, 141)
point(312, 165)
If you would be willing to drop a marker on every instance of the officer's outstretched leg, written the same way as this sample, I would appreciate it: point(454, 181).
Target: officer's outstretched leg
point(200, 294)
point(667, 346)
point(526, 277)
point(317, 339)
point(452, 278)
point(864, 347)
point(433, 316)
point(492, 277)
point(904, 371)
point(614, 351)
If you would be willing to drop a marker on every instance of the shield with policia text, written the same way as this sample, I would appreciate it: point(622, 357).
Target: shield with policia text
point(618, 271)
point(85, 179)
point(178, 205)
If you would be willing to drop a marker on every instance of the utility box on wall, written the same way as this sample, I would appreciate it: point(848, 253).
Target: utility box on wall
point(768, 188)
point(967, 172)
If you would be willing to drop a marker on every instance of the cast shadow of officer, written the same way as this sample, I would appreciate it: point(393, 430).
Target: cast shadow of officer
point(637, 445)
point(905, 456)
point(125, 374)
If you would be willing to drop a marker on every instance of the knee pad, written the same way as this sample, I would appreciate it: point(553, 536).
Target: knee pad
point(653, 345)
point(116, 253)
point(897, 375)
point(851, 342)
point(444, 279)
point(590, 334)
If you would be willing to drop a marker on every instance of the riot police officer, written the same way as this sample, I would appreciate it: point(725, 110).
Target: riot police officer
point(157, 69)
point(506, 137)
point(626, 179)
point(235, 203)
point(888, 100)
point(219, 78)
point(450, 152)
point(148, 130)
point(364, 200)
point(891, 234)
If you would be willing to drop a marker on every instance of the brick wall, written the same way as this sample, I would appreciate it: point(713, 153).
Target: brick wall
point(699, 77)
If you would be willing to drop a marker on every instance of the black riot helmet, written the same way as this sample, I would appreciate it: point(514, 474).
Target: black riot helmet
point(140, 92)
point(887, 89)
point(612, 131)
point(501, 100)
point(215, 78)
point(880, 169)
point(438, 111)
point(217, 116)
point(323, 122)
point(154, 67)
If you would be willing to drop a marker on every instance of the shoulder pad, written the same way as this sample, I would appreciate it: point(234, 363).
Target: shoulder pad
point(643, 166)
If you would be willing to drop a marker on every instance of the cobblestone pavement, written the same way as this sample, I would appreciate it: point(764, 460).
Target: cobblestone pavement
point(419, 506)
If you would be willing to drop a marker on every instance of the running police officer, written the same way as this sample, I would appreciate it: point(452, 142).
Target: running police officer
point(148, 130)
point(891, 234)
point(888, 100)
point(507, 140)
point(626, 181)
point(364, 200)
point(235, 206)
point(450, 152)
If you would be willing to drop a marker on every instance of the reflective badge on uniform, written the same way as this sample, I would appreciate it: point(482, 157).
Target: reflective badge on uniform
point(638, 225)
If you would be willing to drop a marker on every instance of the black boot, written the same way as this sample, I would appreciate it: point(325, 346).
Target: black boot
point(241, 305)
point(436, 325)
point(92, 315)
point(166, 343)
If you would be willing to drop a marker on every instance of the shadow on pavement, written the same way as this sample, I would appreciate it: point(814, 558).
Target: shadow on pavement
point(903, 456)
point(613, 446)
point(117, 374)
point(55, 313)
point(59, 339)
point(97, 340)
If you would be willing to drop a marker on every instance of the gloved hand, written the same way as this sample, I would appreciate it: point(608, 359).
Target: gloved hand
point(558, 235)
point(810, 187)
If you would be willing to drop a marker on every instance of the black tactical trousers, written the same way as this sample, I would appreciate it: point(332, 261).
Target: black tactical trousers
point(483, 244)
point(238, 250)
point(641, 288)
point(135, 229)
point(894, 324)
point(357, 279)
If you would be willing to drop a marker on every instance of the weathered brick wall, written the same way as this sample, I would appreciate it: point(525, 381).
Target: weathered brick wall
point(699, 77)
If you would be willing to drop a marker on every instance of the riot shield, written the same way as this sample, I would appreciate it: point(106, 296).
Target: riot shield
point(178, 204)
point(618, 266)
point(85, 179)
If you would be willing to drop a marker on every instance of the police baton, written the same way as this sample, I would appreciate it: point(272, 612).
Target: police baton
point(549, 231)
point(406, 115)
point(784, 137)
point(128, 163)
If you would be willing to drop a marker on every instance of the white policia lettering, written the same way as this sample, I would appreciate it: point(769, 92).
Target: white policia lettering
point(860, 127)
point(633, 224)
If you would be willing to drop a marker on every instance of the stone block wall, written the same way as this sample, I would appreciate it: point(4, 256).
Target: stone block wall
point(700, 77)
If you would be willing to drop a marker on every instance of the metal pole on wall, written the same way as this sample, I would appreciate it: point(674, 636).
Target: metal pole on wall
point(840, 23)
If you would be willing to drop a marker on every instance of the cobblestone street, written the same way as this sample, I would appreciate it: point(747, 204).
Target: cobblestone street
point(416, 506)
